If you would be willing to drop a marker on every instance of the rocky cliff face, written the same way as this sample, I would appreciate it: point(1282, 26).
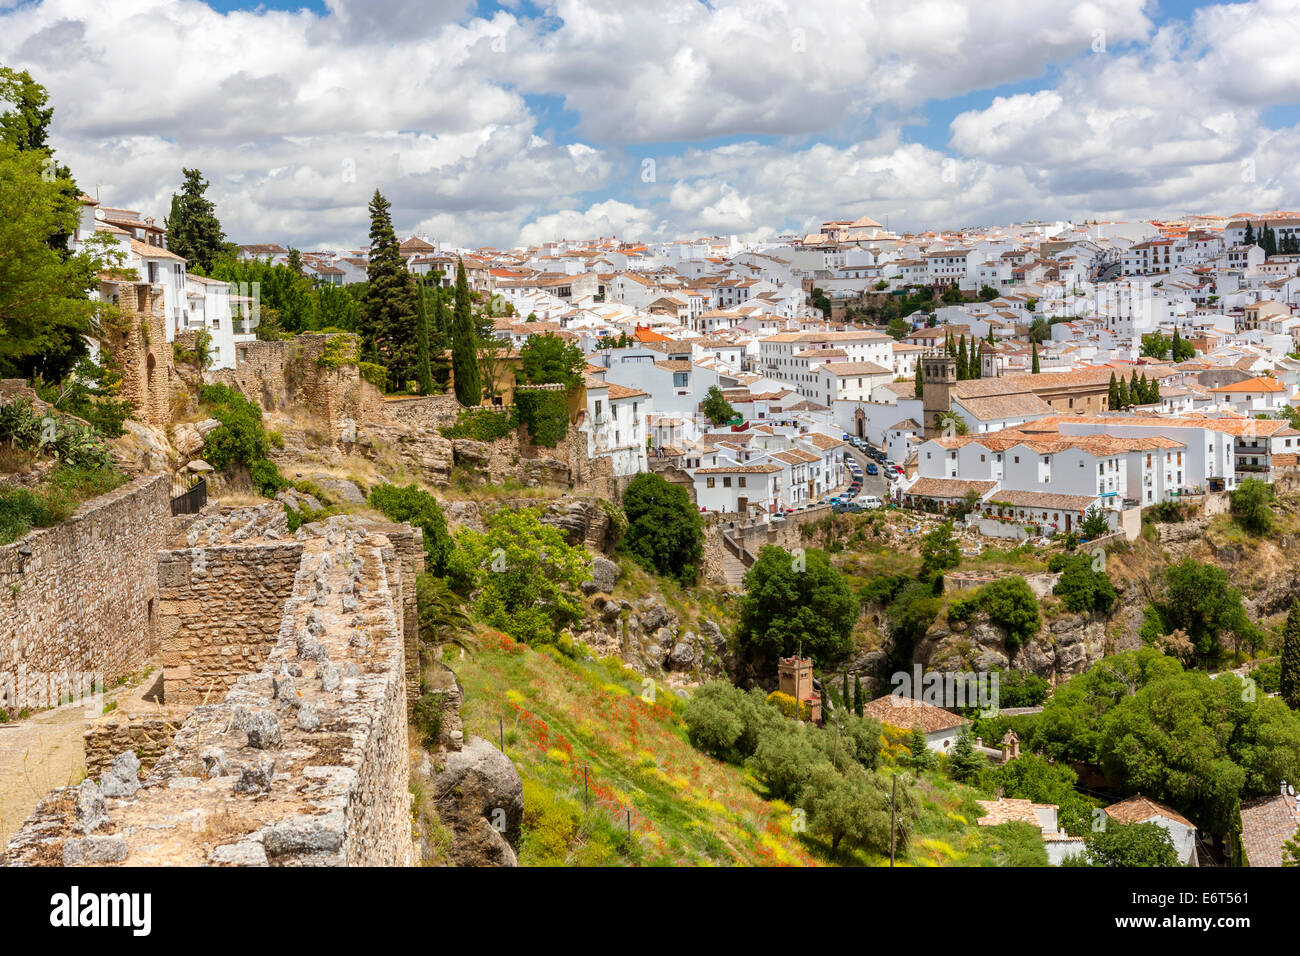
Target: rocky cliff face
point(1065, 646)
point(585, 521)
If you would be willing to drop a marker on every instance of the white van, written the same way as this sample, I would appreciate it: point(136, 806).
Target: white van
point(870, 501)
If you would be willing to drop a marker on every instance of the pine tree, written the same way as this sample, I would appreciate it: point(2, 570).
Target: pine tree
point(464, 344)
point(388, 316)
point(1035, 368)
point(193, 230)
point(1112, 394)
point(1249, 238)
point(423, 368)
point(295, 261)
point(1121, 397)
point(1290, 689)
point(920, 390)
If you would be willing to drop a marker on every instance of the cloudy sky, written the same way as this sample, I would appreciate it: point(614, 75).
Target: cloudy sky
point(512, 122)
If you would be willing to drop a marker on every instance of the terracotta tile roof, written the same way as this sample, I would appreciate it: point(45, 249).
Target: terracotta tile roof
point(1010, 810)
point(1137, 809)
point(947, 487)
point(906, 713)
point(1267, 823)
point(1260, 384)
point(1043, 499)
point(739, 470)
point(617, 391)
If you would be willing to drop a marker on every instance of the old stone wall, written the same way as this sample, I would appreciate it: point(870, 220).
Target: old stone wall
point(136, 343)
point(219, 612)
point(283, 374)
point(83, 598)
point(305, 762)
point(147, 735)
point(753, 537)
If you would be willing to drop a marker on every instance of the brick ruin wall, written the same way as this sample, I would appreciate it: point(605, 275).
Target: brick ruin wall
point(304, 762)
point(281, 374)
point(84, 599)
point(137, 341)
point(147, 735)
point(219, 614)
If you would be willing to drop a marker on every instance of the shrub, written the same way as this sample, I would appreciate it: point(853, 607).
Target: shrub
point(241, 439)
point(546, 413)
point(1011, 605)
point(664, 531)
point(426, 715)
point(483, 424)
point(1081, 589)
point(421, 509)
point(724, 721)
point(1251, 504)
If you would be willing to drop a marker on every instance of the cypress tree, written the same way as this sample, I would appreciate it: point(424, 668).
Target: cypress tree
point(389, 313)
point(847, 693)
point(464, 346)
point(1290, 689)
point(919, 388)
point(973, 366)
point(1112, 394)
point(1249, 238)
point(423, 368)
point(1134, 396)
point(1122, 395)
point(963, 370)
point(1034, 368)
point(859, 701)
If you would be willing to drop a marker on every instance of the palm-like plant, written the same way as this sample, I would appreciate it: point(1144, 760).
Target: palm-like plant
point(443, 616)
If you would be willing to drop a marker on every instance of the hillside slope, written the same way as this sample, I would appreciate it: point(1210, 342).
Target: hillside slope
point(565, 721)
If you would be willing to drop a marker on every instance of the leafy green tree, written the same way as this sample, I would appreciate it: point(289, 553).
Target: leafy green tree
point(1011, 605)
point(1251, 505)
point(794, 601)
point(1093, 524)
point(988, 293)
point(548, 359)
point(1032, 777)
point(522, 574)
point(1291, 848)
point(1127, 844)
point(26, 125)
point(414, 504)
point(1080, 588)
point(1182, 350)
point(939, 550)
point(44, 309)
point(715, 406)
point(965, 762)
point(389, 312)
point(1289, 676)
point(464, 347)
point(1040, 330)
point(664, 532)
point(898, 327)
point(853, 806)
point(725, 722)
point(1155, 345)
point(785, 759)
point(921, 756)
point(193, 230)
point(1199, 601)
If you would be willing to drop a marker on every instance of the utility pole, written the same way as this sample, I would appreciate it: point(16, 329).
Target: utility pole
point(893, 816)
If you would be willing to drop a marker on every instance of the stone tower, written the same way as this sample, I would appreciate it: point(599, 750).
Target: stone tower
point(938, 378)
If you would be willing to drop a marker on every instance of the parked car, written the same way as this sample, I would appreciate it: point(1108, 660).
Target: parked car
point(870, 502)
point(896, 470)
point(872, 469)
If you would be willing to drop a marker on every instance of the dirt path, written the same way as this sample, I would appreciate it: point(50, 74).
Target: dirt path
point(45, 751)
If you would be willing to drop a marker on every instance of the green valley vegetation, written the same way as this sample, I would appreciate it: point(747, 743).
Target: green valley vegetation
point(414, 504)
point(241, 439)
point(389, 311)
